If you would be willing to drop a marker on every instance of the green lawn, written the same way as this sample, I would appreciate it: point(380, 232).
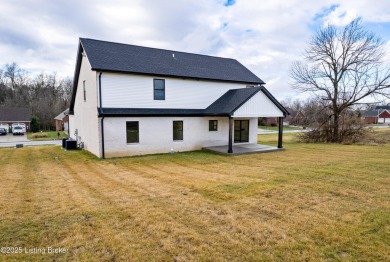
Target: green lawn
point(311, 202)
point(51, 135)
point(272, 139)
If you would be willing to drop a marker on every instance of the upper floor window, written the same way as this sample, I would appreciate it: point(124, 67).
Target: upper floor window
point(159, 89)
point(84, 92)
point(132, 132)
point(213, 125)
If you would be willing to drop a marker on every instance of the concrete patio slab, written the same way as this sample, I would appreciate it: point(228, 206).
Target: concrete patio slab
point(243, 149)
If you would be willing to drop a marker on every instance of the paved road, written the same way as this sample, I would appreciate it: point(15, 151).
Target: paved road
point(12, 138)
point(10, 141)
point(31, 143)
point(265, 131)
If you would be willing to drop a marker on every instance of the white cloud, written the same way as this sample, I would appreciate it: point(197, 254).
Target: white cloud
point(265, 36)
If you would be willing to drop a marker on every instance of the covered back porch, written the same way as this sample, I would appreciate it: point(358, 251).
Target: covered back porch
point(248, 105)
point(236, 147)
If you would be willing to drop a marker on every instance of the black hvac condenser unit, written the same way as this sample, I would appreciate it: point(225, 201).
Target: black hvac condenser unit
point(70, 144)
point(64, 141)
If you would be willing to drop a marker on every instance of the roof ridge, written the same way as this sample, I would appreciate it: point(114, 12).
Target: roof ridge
point(156, 48)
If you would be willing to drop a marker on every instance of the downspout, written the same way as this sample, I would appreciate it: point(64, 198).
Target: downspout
point(100, 113)
point(102, 124)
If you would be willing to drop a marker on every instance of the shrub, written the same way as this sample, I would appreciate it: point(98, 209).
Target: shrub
point(39, 135)
point(34, 124)
point(351, 131)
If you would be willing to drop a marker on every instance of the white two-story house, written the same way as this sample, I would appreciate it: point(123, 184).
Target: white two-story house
point(132, 100)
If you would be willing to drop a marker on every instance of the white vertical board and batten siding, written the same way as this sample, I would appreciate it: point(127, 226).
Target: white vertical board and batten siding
point(136, 91)
point(258, 105)
point(85, 118)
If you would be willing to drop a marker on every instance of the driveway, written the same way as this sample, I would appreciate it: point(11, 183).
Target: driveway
point(12, 138)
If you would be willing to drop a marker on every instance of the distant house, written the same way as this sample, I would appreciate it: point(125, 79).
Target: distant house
point(293, 118)
point(377, 115)
point(133, 100)
point(15, 115)
point(62, 121)
point(268, 121)
point(384, 117)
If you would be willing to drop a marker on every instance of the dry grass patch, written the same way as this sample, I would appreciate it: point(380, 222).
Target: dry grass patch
point(378, 136)
point(39, 135)
point(311, 202)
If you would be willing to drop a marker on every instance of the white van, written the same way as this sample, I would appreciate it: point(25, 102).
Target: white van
point(22, 125)
point(18, 130)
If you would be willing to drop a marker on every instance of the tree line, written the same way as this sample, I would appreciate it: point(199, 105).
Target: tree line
point(46, 95)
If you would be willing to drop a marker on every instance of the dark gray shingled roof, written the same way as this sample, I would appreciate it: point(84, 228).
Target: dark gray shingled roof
point(231, 100)
point(20, 114)
point(62, 115)
point(116, 57)
point(371, 113)
point(382, 107)
point(223, 106)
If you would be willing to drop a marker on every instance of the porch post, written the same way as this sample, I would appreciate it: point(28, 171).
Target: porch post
point(280, 137)
point(230, 149)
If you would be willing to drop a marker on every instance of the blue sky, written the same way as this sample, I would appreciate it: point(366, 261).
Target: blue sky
point(265, 36)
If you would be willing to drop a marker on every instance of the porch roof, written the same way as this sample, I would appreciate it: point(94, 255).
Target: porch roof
point(231, 100)
point(235, 100)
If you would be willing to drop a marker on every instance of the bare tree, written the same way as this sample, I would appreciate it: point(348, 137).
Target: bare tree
point(343, 66)
point(15, 75)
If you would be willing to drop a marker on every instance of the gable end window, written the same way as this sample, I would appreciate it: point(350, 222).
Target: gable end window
point(159, 89)
point(132, 132)
point(213, 125)
point(177, 130)
point(84, 92)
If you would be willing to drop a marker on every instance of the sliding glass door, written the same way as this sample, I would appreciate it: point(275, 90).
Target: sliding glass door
point(241, 131)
